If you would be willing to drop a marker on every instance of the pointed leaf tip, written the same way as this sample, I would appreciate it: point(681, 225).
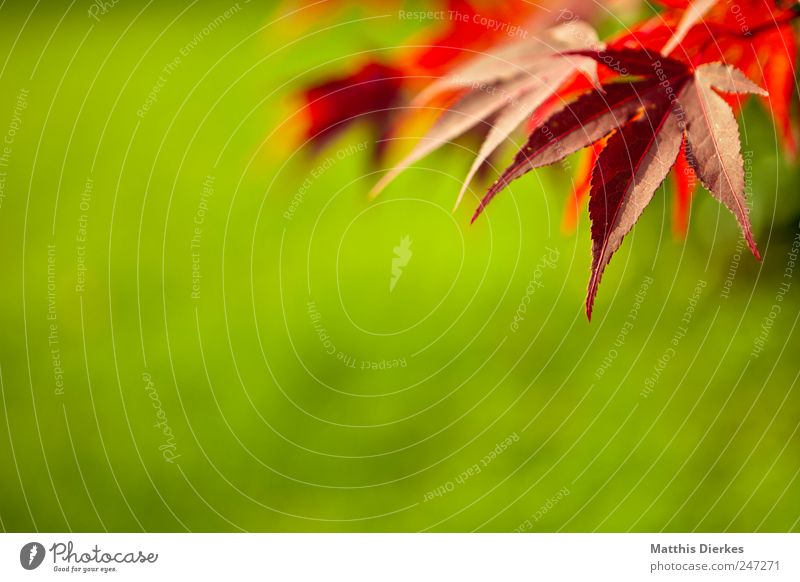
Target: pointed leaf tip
point(590, 304)
point(752, 244)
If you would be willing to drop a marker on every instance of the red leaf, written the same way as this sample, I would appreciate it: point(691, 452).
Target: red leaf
point(633, 164)
point(373, 90)
point(370, 92)
point(777, 57)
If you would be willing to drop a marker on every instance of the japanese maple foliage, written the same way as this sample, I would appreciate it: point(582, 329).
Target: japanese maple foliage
point(757, 37)
point(664, 95)
point(376, 87)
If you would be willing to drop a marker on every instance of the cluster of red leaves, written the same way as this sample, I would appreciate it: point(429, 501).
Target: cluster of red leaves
point(756, 41)
point(642, 126)
point(755, 36)
point(661, 96)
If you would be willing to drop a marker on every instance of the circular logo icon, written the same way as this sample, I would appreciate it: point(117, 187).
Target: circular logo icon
point(31, 555)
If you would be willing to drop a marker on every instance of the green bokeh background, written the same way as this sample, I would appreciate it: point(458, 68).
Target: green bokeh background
point(274, 433)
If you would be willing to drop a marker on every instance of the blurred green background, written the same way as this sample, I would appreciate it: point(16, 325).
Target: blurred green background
point(227, 366)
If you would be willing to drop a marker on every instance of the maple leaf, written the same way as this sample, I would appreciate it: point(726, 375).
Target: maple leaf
point(643, 123)
point(693, 14)
point(375, 90)
point(756, 37)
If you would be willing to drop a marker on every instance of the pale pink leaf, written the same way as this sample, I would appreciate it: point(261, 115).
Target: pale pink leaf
point(514, 59)
point(468, 112)
point(693, 14)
